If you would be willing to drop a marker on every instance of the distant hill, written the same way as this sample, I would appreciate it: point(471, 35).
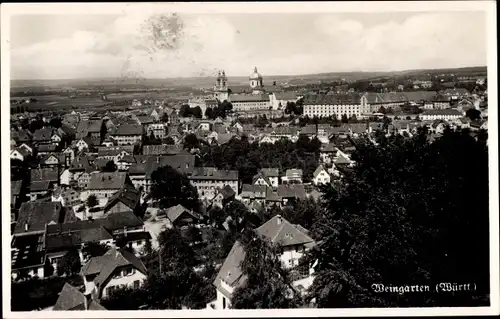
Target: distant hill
point(205, 82)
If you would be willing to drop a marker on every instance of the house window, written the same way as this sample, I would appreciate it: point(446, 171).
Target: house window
point(223, 302)
point(136, 284)
point(127, 271)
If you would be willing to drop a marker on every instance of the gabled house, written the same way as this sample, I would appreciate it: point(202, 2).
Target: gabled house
point(292, 176)
point(33, 216)
point(208, 179)
point(50, 174)
point(327, 153)
point(321, 176)
point(267, 176)
point(253, 193)
point(83, 144)
point(479, 125)
point(114, 154)
point(20, 154)
point(67, 196)
point(223, 196)
point(179, 216)
point(81, 170)
point(291, 192)
point(44, 149)
point(105, 185)
point(294, 242)
point(438, 126)
point(39, 189)
point(115, 269)
point(126, 199)
point(71, 299)
point(54, 159)
point(127, 134)
point(44, 136)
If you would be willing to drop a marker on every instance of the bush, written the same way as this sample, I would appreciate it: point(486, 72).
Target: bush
point(36, 294)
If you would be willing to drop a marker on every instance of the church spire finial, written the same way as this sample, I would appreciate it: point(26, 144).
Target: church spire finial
point(255, 69)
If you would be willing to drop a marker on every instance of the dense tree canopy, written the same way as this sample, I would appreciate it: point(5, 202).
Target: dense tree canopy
point(110, 167)
point(70, 263)
point(268, 284)
point(248, 158)
point(411, 212)
point(170, 187)
point(473, 114)
point(172, 282)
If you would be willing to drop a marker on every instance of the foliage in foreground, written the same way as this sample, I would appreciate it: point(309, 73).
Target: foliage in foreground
point(410, 213)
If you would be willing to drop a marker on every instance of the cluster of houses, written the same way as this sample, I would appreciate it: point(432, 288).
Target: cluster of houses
point(440, 105)
point(87, 180)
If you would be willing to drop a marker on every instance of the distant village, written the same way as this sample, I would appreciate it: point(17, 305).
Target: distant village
point(84, 178)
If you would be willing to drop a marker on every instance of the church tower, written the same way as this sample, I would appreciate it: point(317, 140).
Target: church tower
point(221, 91)
point(256, 82)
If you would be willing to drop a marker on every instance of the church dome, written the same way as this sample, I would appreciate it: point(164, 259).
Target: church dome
point(255, 75)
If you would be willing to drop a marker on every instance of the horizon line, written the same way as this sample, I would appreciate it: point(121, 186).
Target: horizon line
point(236, 76)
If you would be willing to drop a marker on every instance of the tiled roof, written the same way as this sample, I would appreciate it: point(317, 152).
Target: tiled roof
point(117, 258)
point(292, 190)
point(224, 138)
point(145, 119)
point(230, 270)
point(335, 99)
point(83, 164)
point(128, 129)
point(270, 172)
point(227, 192)
point(308, 129)
point(154, 149)
point(318, 170)
point(23, 151)
point(39, 186)
point(289, 96)
point(212, 173)
point(293, 172)
point(107, 181)
point(417, 96)
point(442, 112)
point(37, 215)
point(341, 160)
point(129, 196)
point(328, 148)
point(117, 221)
point(110, 151)
point(16, 187)
point(43, 134)
point(147, 165)
point(46, 148)
point(70, 298)
point(175, 212)
point(280, 231)
point(67, 235)
point(249, 98)
point(253, 191)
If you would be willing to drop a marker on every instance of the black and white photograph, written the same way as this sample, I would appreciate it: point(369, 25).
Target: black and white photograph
point(217, 159)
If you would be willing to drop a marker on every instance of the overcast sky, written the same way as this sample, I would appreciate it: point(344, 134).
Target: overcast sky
point(89, 46)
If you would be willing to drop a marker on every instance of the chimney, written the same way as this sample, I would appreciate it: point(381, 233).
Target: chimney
point(279, 220)
point(25, 226)
point(125, 231)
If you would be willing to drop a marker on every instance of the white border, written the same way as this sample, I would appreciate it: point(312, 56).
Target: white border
point(489, 7)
